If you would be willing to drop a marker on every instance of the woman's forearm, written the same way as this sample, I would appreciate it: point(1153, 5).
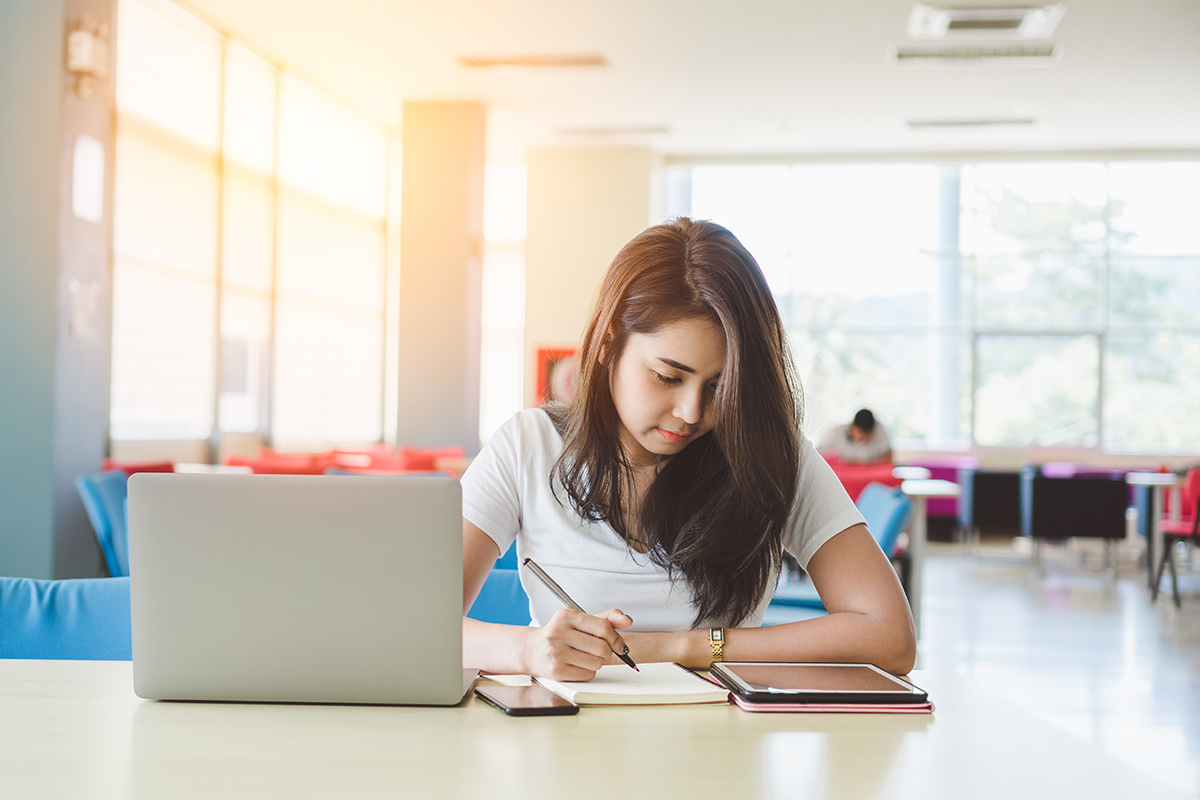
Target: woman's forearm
point(498, 649)
point(845, 636)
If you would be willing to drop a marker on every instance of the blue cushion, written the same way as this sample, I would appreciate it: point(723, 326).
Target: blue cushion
point(502, 599)
point(84, 619)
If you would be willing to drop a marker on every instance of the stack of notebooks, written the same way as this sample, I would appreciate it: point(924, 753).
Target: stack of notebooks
point(753, 686)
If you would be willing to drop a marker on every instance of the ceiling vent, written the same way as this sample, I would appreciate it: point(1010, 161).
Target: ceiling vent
point(1000, 22)
point(1032, 53)
point(537, 61)
point(969, 122)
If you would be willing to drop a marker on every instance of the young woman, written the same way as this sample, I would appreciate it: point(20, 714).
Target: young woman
point(668, 489)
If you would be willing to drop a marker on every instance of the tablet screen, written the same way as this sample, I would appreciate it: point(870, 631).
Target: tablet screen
point(785, 680)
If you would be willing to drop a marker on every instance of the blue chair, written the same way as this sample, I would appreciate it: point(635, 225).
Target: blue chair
point(104, 495)
point(509, 559)
point(502, 599)
point(77, 619)
point(887, 511)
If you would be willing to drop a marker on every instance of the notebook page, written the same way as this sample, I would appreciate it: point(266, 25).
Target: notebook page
point(655, 684)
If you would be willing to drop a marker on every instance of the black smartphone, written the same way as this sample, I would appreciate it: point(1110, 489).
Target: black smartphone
point(526, 701)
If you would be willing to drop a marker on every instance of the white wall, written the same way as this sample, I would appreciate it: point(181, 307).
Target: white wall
point(584, 204)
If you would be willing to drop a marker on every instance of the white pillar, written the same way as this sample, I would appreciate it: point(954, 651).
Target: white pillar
point(441, 244)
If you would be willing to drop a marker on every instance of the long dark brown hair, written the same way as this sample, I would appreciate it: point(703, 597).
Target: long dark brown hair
point(715, 511)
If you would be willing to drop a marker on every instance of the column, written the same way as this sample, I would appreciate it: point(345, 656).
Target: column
point(441, 243)
point(54, 289)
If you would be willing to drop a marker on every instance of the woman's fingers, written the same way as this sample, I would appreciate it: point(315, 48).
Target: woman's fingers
point(616, 619)
point(574, 645)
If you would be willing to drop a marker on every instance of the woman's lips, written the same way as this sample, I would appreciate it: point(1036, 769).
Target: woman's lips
point(672, 436)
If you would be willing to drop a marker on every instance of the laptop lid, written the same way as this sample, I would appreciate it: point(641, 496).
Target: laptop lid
point(297, 588)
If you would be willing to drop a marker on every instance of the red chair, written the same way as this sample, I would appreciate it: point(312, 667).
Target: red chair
point(145, 466)
point(378, 456)
point(426, 458)
point(1176, 531)
point(341, 470)
point(269, 462)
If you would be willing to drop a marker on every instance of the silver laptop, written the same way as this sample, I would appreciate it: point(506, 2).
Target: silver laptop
point(297, 588)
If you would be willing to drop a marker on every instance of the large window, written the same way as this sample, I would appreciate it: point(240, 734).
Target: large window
point(981, 304)
point(250, 240)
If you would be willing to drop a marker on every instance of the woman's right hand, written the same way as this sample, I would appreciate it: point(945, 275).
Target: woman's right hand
point(573, 645)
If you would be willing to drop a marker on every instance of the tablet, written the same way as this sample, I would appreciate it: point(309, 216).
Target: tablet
point(788, 682)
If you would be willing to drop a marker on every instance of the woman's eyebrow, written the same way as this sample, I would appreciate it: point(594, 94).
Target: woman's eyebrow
point(672, 363)
point(681, 367)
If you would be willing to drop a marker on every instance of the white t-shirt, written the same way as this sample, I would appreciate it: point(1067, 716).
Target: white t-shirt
point(507, 494)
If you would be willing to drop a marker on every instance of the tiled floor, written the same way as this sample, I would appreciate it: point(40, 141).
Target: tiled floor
point(1076, 644)
point(1072, 642)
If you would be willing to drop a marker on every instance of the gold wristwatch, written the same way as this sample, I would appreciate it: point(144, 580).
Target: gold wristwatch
point(716, 638)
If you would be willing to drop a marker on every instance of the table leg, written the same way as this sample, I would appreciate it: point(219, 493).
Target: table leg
point(1155, 540)
point(916, 553)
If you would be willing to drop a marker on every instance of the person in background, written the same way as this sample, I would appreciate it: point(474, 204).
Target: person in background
point(863, 441)
point(663, 496)
point(564, 376)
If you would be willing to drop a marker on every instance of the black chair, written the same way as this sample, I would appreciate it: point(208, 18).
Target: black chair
point(1080, 506)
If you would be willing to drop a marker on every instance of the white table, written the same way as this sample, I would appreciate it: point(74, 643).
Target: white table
point(76, 730)
point(1159, 482)
point(906, 473)
point(921, 490)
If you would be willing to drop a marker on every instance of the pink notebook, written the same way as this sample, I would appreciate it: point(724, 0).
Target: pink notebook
point(818, 688)
point(835, 708)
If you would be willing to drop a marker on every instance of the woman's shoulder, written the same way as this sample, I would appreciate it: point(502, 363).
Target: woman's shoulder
point(530, 427)
point(535, 421)
point(808, 454)
point(523, 448)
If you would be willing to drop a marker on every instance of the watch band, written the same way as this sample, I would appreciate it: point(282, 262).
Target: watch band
point(716, 638)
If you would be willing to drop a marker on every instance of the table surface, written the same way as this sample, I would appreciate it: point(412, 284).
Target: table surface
point(906, 473)
point(1154, 479)
point(930, 487)
point(75, 729)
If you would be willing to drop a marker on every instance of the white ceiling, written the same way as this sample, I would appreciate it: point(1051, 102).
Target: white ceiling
point(741, 77)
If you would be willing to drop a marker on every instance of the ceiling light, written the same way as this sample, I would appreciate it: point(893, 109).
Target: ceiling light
point(1015, 22)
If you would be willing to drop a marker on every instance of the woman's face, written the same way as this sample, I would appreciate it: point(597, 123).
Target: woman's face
point(663, 388)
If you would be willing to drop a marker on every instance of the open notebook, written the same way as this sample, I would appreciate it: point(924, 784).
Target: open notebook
point(655, 684)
